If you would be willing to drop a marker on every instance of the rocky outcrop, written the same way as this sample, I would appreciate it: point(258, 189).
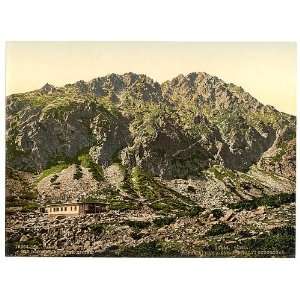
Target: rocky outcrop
point(280, 158)
point(176, 129)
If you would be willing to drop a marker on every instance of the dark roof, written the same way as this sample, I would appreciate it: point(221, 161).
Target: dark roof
point(71, 203)
point(64, 204)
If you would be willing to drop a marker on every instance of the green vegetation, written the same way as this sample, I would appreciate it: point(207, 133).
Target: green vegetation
point(122, 205)
point(235, 181)
point(111, 199)
point(144, 184)
point(53, 178)
point(217, 213)
point(32, 242)
point(136, 235)
point(269, 117)
point(59, 107)
point(279, 154)
point(235, 88)
point(191, 189)
point(22, 204)
point(280, 240)
point(12, 149)
point(29, 207)
point(78, 172)
point(193, 123)
point(162, 221)
point(59, 163)
point(52, 170)
point(245, 234)
point(157, 196)
point(161, 198)
point(291, 134)
point(98, 228)
point(149, 249)
point(222, 173)
point(12, 245)
point(220, 228)
point(283, 148)
point(116, 157)
point(137, 224)
point(224, 120)
point(87, 162)
point(148, 118)
point(266, 200)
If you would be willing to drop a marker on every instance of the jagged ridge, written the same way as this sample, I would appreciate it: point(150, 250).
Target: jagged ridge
point(174, 130)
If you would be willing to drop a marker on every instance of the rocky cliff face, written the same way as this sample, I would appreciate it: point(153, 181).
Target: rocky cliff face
point(175, 129)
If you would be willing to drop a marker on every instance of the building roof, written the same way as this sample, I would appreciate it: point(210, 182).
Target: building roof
point(71, 203)
point(65, 204)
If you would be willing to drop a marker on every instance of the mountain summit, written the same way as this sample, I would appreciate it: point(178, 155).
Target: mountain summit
point(176, 129)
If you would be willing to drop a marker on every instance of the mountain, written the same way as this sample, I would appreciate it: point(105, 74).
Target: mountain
point(158, 127)
point(186, 145)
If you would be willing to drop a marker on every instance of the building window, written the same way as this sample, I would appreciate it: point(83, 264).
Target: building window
point(65, 208)
point(71, 208)
point(75, 207)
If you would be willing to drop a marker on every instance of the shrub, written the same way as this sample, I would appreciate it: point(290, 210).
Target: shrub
point(220, 228)
point(245, 234)
point(194, 211)
point(116, 156)
point(137, 224)
point(53, 178)
point(191, 189)
point(143, 183)
point(266, 200)
point(150, 249)
point(136, 235)
point(29, 207)
point(54, 169)
point(162, 221)
point(87, 162)
point(98, 228)
point(78, 172)
point(281, 240)
point(32, 242)
point(122, 205)
point(11, 246)
point(217, 213)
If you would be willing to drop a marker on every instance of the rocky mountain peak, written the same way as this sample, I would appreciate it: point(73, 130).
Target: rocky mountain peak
point(48, 88)
point(185, 110)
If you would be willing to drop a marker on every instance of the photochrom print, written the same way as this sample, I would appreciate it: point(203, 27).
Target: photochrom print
point(150, 149)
